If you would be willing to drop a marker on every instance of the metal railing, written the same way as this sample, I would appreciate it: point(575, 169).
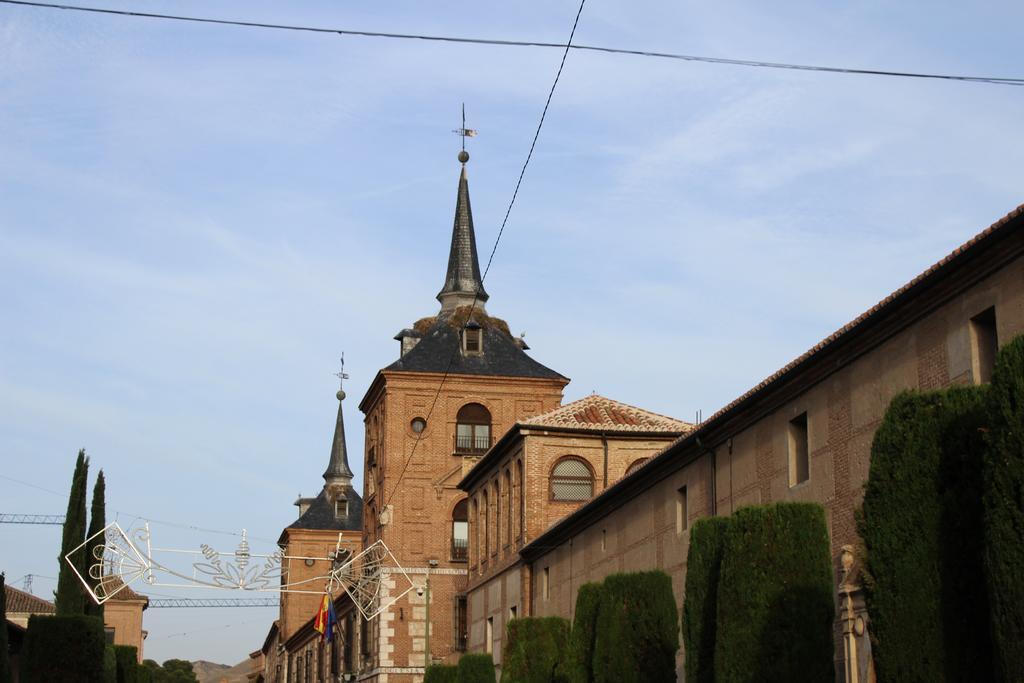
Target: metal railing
point(460, 549)
point(472, 444)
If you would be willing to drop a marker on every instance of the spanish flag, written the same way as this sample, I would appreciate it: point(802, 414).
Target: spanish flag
point(325, 618)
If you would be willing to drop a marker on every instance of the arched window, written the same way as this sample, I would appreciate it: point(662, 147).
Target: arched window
point(487, 528)
point(637, 464)
point(522, 498)
point(497, 515)
point(476, 531)
point(509, 498)
point(571, 479)
point(472, 430)
point(460, 531)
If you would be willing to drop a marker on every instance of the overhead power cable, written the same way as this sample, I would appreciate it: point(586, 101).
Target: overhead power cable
point(497, 240)
point(991, 80)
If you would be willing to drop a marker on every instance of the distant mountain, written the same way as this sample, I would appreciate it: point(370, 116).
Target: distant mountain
point(209, 672)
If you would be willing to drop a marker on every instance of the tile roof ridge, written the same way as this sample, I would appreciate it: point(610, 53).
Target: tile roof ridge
point(581, 406)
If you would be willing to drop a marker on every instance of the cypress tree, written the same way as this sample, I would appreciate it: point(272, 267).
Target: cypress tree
point(5, 664)
point(1004, 509)
point(70, 598)
point(97, 520)
point(637, 629)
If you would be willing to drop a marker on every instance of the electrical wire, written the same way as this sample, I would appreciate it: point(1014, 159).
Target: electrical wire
point(990, 80)
point(497, 240)
point(144, 518)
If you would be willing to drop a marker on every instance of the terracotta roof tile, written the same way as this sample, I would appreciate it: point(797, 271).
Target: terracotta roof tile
point(22, 602)
point(600, 413)
point(110, 584)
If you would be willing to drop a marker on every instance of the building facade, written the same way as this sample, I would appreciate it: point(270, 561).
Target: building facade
point(803, 434)
point(541, 470)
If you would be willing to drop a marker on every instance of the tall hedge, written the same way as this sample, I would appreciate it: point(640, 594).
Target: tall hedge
point(922, 528)
point(775, 608)
point(109, 664)
point(637, 629)
point(1004, 509)
point(580, 661)
point(475, 668)
point(700, 607)
point(127, 663)
point(535, 650)
point(63, 648)
point(441, 673)
point(70, 598)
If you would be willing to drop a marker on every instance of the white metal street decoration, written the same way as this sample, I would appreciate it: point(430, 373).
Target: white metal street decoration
point(122, 558)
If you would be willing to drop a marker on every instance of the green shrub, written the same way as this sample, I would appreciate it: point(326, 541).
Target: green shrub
point(775, 607)
point(700, 607)
point(127, 663)
point(109, 664)
point(637, 629)
point(580, 661)
point(1004, 509)
point(535, 650)
point(441, 673)
point(66, 648)
point(475, 668)
point(922, 528)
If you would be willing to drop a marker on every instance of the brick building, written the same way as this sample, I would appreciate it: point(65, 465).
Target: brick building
point(421, 440)
point(542, 469)
point(803, 434)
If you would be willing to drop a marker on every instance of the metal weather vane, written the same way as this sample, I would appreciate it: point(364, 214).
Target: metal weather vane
point(124, 558)
point(464, 132)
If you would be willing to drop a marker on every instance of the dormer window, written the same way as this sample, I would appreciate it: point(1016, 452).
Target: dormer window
point(472, 338)
point(341, 508)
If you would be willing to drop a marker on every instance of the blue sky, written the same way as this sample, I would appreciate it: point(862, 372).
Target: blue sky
point(195, 221)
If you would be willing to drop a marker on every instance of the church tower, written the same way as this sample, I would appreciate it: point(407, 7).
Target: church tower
point(460, 381)
point(337, 509)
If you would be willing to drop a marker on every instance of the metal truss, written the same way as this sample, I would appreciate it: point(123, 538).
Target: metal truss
point(373, 579)
point(11, 518)
point(213, 602)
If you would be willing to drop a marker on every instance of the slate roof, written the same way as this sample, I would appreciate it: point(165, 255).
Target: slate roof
point(463, 276)
point(600, 413)
point(441, 345)
point(22, 602)
point(320, 514)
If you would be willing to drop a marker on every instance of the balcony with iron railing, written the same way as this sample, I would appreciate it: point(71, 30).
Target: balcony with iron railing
point(472, 444)
point(460, 549)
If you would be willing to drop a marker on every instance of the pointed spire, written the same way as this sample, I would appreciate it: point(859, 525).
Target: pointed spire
point(462, 283)
point(338, 471)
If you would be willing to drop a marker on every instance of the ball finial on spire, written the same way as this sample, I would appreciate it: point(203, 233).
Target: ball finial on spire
point(463, 156)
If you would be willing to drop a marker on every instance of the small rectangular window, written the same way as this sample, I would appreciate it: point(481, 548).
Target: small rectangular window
point(489, 643)
point(604, 540)
point(544, 583)
point(513, 612)
point(472, 337)
point(682, 511)
point(799, 456)
point(984, 345)
point(341, 508)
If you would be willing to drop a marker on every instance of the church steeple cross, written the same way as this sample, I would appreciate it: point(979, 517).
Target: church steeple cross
point(464, 132)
